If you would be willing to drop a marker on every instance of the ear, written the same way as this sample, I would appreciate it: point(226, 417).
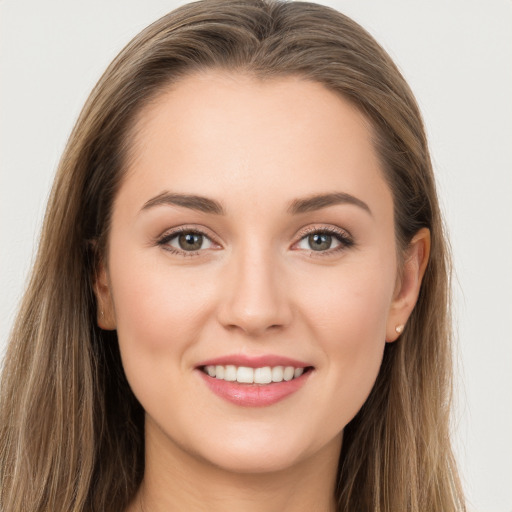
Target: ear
point(105, 314)
point(408, 284)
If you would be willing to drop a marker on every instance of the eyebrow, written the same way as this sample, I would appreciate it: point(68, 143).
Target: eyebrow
point(199, 203)
point(297, 206)
point(319, 201)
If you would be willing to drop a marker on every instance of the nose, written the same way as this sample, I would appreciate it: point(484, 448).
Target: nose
point(254, 295)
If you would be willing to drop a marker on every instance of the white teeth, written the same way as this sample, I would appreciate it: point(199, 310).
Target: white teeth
point(288, 373)
point(263, 375)
point(230, 373)
point(219, 372)
point(245, 375)
point(248, 375)
point(277, 374)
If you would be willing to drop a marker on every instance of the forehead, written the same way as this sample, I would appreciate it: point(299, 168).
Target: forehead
point(215, 132)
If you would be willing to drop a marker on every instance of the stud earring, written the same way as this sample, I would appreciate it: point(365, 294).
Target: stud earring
point(399, 328)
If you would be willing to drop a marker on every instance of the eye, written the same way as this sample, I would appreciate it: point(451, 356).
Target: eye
point(186, 241)
point(325, 241)
point(318, 242)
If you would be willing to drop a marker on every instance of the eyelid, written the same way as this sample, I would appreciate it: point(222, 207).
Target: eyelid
point(344, 237)
point(163, 239)
point(326, 228)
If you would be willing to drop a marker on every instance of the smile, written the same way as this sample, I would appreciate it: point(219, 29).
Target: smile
point(248, 375)
point(254, 381)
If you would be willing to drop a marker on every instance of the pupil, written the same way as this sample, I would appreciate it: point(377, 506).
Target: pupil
point(320, 241)
point(190, 241)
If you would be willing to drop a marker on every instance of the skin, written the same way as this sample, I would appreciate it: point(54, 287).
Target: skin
point(256, 288)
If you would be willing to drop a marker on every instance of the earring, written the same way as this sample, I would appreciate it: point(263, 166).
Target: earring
point(399, 328)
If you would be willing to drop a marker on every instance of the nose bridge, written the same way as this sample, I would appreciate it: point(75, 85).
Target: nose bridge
point(255, 299)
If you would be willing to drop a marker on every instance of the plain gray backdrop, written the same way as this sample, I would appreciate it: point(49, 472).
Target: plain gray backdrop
point(457, 57)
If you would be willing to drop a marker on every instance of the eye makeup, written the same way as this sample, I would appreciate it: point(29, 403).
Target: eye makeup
point(188, 239)
point(321, 241)
point(319, 237)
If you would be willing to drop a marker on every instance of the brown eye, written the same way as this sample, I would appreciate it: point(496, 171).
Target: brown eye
point(320, 241)
point(325, 241)
point(190, 241)
point(186, 242)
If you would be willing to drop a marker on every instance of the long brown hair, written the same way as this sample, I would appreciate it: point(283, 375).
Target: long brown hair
point(71, 431)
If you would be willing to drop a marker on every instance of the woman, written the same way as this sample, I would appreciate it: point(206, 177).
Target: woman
point(240, 300)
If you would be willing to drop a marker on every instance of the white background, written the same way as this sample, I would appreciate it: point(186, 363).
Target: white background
point(456, 55)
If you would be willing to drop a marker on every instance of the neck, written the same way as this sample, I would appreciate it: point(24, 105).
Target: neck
point(175, 480)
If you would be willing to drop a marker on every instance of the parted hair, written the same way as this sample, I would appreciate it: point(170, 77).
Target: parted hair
point(71, 430)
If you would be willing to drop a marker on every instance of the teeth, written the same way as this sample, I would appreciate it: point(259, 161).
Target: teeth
point(263, 375)
point(288, 373)
point(277, 373)
point(247, 375)
point(230, 373)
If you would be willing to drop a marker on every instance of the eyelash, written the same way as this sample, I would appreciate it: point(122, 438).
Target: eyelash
point(165, 239)
point(343, 237)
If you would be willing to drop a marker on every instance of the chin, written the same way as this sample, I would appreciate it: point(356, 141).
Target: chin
point(255, 461)
point(260, 456)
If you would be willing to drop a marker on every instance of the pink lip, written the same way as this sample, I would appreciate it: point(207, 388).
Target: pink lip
point(254, 395)
point(254, 361)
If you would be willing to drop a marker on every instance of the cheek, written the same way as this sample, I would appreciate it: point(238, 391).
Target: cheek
point(154, 307)
point(158, 315)
point(348, 316)
point(349, 305)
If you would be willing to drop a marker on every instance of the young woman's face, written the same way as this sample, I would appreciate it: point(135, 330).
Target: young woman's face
point(252, 238)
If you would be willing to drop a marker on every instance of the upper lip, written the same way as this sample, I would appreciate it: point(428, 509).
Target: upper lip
point(254, 361)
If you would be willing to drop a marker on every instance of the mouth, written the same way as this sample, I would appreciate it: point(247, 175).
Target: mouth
point(254, 381)
point(262, 376)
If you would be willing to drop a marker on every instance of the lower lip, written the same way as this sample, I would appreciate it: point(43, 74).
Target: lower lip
point(254, 395)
